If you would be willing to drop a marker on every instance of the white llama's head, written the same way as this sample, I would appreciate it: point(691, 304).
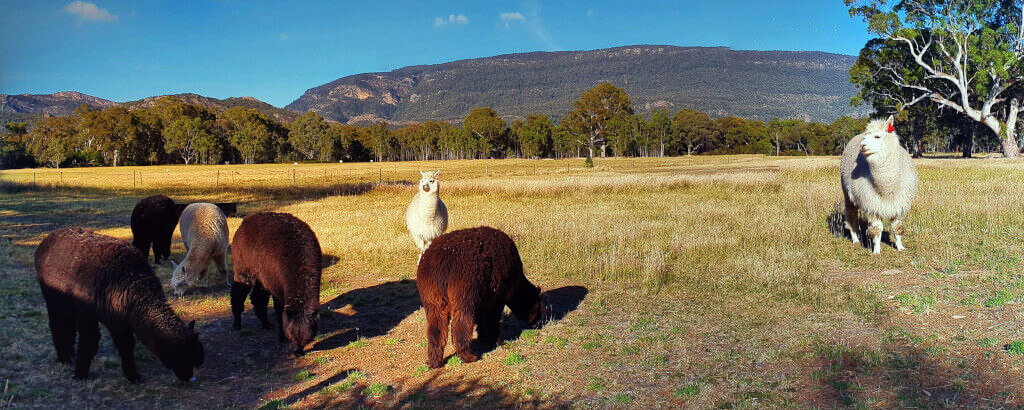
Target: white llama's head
point(879, 139)
point(429, 180)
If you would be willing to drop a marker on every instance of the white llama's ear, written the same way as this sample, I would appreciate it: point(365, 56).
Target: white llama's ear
point(889, 125)
point(437, 174)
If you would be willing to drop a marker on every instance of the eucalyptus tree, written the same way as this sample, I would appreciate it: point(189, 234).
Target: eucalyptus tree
point(964, 55)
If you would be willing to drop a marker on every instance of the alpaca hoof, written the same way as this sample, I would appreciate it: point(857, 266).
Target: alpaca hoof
point(80, 376)
point(468, 358)
point(434, 365)
point(134, 378)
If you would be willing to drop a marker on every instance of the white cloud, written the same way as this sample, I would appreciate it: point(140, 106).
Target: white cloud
point(514, 16)
point(534, 25)
point(452, 19)
point(89, 12)
point(591, 13)
point(283, 36)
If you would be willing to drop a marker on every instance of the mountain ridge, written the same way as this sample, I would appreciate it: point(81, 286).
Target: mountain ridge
point(811, 85)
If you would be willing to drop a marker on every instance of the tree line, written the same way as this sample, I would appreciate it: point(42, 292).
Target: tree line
point(601, 123)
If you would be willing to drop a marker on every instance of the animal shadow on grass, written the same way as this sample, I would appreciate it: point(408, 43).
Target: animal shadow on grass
point(378, 309)
point(328, 260)
point(837, 226)
point(560, 302)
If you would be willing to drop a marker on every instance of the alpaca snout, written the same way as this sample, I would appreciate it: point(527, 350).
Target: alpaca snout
point(426, 188)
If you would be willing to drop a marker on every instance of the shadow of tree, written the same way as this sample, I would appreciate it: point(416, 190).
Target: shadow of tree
point(378, 309)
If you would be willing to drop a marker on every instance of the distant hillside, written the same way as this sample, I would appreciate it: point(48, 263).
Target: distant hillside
point(32, 106)
point(218, 105)
point(56, 104)
point(719, 81)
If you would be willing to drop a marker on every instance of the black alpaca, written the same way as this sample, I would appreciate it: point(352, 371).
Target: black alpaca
point(88, 279)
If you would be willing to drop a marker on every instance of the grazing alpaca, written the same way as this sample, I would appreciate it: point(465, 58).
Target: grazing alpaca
point(879, 182)
point(204, 229)
point(278, 255)
point(87, 279)
point(426, 217)
point(153, 222)
point(468, 276)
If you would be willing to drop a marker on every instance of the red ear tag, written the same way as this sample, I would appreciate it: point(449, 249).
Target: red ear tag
point(891, 129)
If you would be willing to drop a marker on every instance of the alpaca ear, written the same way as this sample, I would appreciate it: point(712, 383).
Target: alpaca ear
point(437, 174)
point(889, 125)
point(192, 326)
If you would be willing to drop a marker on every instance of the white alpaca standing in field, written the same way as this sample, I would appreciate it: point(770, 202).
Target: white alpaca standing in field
point(426, 217)
point(204, 229)
point(879, 182)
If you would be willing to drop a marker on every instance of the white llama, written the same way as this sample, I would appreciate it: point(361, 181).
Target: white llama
point(879, 182)
point(426, 217)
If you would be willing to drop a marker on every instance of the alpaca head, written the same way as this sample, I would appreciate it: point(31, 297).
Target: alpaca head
point(181, 279)
point(183, 357)
point(300, 327)
point(879, 140)
point(428, 181)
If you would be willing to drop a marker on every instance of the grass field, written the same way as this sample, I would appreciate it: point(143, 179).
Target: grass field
point(700, 281)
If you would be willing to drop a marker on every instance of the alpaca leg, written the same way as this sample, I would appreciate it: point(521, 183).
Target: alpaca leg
point(488, 327)
point(437, 334)
point(897, 234)
point(222, 267)
point(875, 231)
point(852, 222)
point(279, 310)
point(125, 342)
point(62, 327)
point(88, 344)
point(239, 292)
point(259, 298)
point(462, 335)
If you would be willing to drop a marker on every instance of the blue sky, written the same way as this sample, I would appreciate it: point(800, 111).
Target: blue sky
point(274, 51)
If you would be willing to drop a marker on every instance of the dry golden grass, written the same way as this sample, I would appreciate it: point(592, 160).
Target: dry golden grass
point(711, 281)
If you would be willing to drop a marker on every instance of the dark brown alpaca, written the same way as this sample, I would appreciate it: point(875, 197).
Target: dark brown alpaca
point(88, 279)
point(153, 222)
point(468, 277)
point(277, 255)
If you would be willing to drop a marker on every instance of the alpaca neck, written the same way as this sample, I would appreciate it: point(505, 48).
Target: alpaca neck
point(155, 324)
point(885, 174)
point(428, 203)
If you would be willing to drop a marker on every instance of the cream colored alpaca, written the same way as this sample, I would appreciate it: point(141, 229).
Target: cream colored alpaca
point(879, 182)
point(426, 217)
point(204, 229)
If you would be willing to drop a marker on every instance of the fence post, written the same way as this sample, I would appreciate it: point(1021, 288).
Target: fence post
point(133, 180)
point(61, 178)
point(217, 185)
point(33, 179)
point(380, 175)
point(293, 176)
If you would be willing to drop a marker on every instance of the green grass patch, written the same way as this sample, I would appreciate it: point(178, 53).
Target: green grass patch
point(596, 385)
point(358, 344)
point(623, 398)
point(1000, 298)
point(393, 341)
point(453, 362)
point(514, 359)
point(356, 375)
point(338, 388)
point(420, 370)
point(529, 337)
point(322, 360)
point(688, 390)
point(1016, 347)
point(377, 390)
point(273, 405)
point(557, 341)
point(988, 342)
point(914, 303)
point(302, 376)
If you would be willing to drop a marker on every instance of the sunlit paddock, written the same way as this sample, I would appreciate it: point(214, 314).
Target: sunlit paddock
point(707, 281)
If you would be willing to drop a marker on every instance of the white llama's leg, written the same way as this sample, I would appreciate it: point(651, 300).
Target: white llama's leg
point(875, 231)
point(897, 234)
